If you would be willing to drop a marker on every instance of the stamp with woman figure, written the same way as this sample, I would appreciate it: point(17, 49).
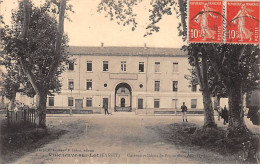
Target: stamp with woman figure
point(242, 22)
point(205, 21)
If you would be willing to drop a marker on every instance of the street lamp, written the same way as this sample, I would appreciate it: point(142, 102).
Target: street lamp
point(71, 87)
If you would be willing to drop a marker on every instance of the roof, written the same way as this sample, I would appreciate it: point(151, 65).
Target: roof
point(126, 51)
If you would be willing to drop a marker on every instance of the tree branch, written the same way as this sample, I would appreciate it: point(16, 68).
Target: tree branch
point(23, 37)
point(29, 75)
point(210, 49)
point(60, 28)
point(26, 21)
point(242, 52)
point(198, 70)
point(183, 16)
point(204, 72)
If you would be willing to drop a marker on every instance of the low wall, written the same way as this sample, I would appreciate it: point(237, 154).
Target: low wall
point(137, 111)
point(67, 111)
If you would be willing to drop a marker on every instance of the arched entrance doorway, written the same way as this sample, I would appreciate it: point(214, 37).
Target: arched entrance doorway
point(123, 98)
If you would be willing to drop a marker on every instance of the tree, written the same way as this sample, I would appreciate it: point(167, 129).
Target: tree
point(37, 43)
point(204, 75)
point(237, 67)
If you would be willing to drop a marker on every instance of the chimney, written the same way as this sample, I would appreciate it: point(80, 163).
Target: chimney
point(102, 44)
point(145, 47)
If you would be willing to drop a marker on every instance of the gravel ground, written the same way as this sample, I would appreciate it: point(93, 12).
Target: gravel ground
point(120, 138)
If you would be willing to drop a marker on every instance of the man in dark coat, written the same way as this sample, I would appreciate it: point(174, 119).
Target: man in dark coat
point(184, 109)
point(225, 115)
point(106, 109)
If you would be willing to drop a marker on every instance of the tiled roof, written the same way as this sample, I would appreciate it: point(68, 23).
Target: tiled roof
point(125, 51)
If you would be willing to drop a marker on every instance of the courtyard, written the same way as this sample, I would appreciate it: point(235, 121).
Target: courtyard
point(121, 138)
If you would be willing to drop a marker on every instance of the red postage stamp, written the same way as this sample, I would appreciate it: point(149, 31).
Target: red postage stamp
point(242, 26)
point(205, 21)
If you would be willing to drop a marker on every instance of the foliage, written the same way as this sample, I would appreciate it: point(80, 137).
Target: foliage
point(37, 50)
point(11, 82)
point(120, 10)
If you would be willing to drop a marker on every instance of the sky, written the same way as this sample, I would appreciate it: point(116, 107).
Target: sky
point(90, 28)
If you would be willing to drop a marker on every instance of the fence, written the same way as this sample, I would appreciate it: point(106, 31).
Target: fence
point(23, 115)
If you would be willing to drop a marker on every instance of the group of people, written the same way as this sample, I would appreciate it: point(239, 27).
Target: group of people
point(222, 113)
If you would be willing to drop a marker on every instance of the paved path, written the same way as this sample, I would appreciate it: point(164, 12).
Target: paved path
point(118, 138)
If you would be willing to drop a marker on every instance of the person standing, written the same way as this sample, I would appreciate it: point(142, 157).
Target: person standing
point(106, 109)
point(225, 115)
point(219, 111)
point(184, 109)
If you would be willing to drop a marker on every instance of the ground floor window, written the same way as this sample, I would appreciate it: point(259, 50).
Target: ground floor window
point(70, 101)
point(51, 101)
point(140, 103)
point(156, 103)
point(193, 103)
point(89, 102)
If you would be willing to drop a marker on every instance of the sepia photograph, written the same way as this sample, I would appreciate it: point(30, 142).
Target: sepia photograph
point(129, 82)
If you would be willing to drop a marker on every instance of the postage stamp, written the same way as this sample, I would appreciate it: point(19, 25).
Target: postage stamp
point(242, 26)
point(205, 21)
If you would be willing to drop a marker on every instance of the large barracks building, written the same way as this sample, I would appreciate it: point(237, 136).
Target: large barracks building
point(126, 79)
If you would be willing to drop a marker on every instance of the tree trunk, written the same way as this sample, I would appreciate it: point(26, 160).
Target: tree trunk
point(209, 120)
point(203, 82)
point(40, 116)
point(236, 126)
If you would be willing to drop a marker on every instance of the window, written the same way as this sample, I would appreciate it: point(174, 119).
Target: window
point(89, 102)
point(105, 65)
point(123, 65)
point(89, 65)
point(71, 84)
point(157, 67)
point(141, 66)
point(175, 67)
point(51, 101)
point(140, 103)
point(194, 88)
point(70, 101)
point(89, 84)
point(193, 103)
point(156, 103)
point(174, 86)
point(71, 66)
point(156, 85)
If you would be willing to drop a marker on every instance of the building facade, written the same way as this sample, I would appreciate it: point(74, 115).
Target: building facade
point(126, 79)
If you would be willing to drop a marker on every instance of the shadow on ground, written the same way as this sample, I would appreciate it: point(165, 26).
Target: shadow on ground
point(18, 140)
point(203, 144)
